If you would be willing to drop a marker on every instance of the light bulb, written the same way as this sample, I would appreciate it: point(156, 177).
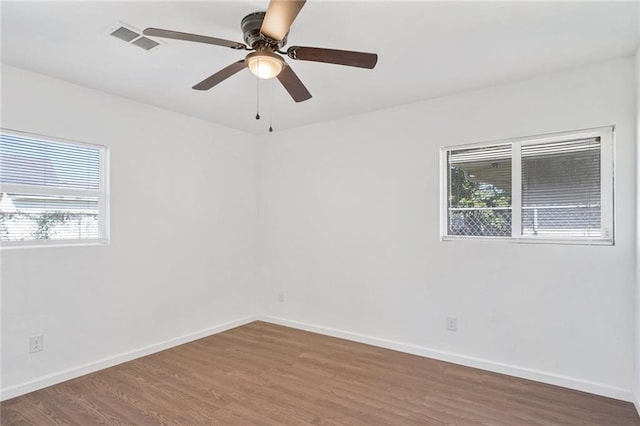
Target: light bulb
point(265, 65)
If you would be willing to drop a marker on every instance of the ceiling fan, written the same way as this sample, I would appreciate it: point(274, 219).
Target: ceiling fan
point(265, 33)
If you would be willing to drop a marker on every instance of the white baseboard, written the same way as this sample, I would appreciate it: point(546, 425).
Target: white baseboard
point(72, 373)
point(511, 370)
point(637, 404)
point(484, 364)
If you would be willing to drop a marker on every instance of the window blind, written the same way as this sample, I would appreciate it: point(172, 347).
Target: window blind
point(37, 162)
point(50, 190)
point(553, 188)
point(561, 189)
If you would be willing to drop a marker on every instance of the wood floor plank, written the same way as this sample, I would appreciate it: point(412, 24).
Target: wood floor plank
point(264, 374)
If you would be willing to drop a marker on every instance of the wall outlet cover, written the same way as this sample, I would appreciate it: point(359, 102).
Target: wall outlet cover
point(452, 323)
point(36, 343)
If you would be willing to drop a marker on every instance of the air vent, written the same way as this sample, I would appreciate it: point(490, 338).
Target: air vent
point(145, 43)
point(125, 34)
point(133, 36)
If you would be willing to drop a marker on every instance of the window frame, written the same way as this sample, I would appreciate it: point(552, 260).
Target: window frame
point(102, 193)
point(607, 190)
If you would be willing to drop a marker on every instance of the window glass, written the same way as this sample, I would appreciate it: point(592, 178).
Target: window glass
point(480, 191)
point(561, 189)
point(50, 189)
point(546, 188)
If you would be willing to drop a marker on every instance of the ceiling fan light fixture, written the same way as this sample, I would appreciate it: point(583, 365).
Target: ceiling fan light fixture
point(265, 65)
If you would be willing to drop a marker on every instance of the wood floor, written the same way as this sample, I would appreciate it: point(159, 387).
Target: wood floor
point(270, 375)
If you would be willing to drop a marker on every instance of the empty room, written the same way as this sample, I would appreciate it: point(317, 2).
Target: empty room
point(279, 212)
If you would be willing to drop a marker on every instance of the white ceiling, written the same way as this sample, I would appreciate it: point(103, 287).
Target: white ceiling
point(426, 49)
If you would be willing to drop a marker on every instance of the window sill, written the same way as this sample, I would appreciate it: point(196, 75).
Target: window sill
point(39, 244)
point(536, 240)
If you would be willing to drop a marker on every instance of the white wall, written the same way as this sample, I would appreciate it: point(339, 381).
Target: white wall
point(183, 226)
point(349, 216)
point(348, 230)
point(637, 336)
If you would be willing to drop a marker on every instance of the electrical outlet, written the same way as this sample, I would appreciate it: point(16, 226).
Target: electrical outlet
point(281, 296)
point(36, 343)
point(452, 323)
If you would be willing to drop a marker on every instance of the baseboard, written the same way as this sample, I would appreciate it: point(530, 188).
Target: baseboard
point(511, 370)
point(72, 373)
point(637, 404)
point(483, 364)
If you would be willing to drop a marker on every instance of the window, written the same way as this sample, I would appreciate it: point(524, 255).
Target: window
point(556, 188)
point(51, 191)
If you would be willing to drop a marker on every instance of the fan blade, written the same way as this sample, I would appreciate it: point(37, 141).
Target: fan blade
point(294, 86)
point(333, 56)
point(221, 75)
point(157, 32)
point(280, 15)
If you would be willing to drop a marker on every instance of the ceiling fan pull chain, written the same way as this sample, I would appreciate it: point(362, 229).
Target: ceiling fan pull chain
point(258, 97)
point(271, 106)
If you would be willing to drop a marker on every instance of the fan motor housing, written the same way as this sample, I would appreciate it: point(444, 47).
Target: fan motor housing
point(251, 25)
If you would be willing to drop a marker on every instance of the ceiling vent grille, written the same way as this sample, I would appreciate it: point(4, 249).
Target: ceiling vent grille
point(130, 35)
point(145, 43)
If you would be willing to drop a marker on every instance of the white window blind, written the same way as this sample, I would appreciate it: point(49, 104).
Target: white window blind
point(51, 190)
point(561, 189)
point(555, 188)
